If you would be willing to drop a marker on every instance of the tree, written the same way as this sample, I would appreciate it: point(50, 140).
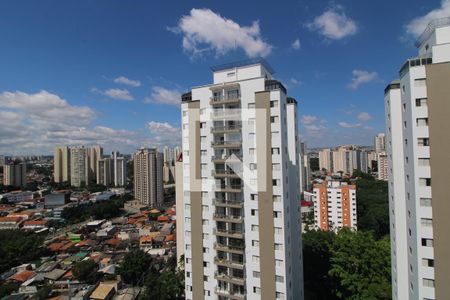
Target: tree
point(316, 264)
point(85, 270)
point(360, 266)
point(135, 266)
point(314, 163)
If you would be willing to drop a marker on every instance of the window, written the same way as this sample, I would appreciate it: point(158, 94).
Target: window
point(230, 74)
point(423, 141)
point(427, 242)
point(255, 243)
point(425, 202)
point(420, 82)
point(428, 282)
point(278, 262)
point(279, 295)
point(426, 262)
point(422, 121)
point(424, 162)
point(275, 150)
point(255, 227)
point(274, 103)
point(251, 105)
point(256, 274)
point(275, 182)
point(426, 222)
point(254, 212)
point(279, 278)
point(253, 197)
point(252, 166)
point(276, 167)
point(205, 236)
point(276, 198)
point(274, 119)
point(255, 259)
point(278, 230)
point(425, 181)
point(256, 290)
point(421, 102)
point(278, 246)
point(205, 278)
point(277, 214)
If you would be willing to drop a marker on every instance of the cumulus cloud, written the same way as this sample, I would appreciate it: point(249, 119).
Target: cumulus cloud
point(295, 81)
point(127, 81)
point(118, 94)
point(416, 26)
point(296, 44)
point(364, 116)
point(205, 31)
point(164, 127)
point(163, 133)
point(334, 24)
point(349, 125)
point(161, 95)
point(308, 119)
point(34, 123)
point(361, 77)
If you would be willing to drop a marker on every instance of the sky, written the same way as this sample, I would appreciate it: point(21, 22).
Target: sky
point(111, 72)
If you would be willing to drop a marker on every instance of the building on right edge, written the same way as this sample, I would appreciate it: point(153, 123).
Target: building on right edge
point(417, 110)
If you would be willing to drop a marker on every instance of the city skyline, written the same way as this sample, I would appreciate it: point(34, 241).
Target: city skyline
point(97, 95)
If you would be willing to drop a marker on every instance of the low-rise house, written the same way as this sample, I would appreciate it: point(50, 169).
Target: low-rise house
point(34, 224)
point(54, 275)
point(10, 222)
point(22, 276)
point(104, 291)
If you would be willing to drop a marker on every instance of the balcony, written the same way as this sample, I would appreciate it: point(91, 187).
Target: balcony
point(228, 203)
point(233, 114)
point(224, 174)
point(229, 188)
point(228, 218)
point(229, 294)
point(229, 99)
point(236, 249)
point(237, 234)
point(223, 158)
point(229, 279)
point(228, 263)
point(226, 144)
point(226, 129)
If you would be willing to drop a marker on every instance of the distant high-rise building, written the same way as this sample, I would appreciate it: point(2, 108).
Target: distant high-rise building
point(79, 169)
point(112, 170)
point(334, 206)
point(2, 160)
point(148, 177)
point(379, 144)
point(15, 174)
point(304, 168)
point(179, 194)
point(61, 164)
point(241, 187)
point(94, 154)
point(417, 111)
point(326, 160)
point(383, 166)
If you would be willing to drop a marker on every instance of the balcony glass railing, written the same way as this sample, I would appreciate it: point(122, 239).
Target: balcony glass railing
point(228, 97)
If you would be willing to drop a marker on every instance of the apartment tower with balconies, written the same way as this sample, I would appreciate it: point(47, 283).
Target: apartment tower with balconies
point(242, 237)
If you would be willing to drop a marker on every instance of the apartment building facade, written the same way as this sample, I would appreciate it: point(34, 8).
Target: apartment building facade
point(61, 164)
point(15, 174)
point(379, 143)
point(334, 206)
point(79, 169)
point(148, 177)
point(418, 168)
point(241, 187)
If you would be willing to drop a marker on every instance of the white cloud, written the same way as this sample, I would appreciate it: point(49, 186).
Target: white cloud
point(334, 24)
point(34, 123)
point(361, 77)
point(295, 81)
point(118, 94)
point(127, 81)
point(364, 116)
point(308, 119)
point(164, 127)
point(349, 125)
point(296, 44)
point(205, 31)
point(416, 26)
point(162, 95)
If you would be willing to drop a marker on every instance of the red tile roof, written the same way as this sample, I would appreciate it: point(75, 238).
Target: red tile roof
point(23, 276)
point(163, 218)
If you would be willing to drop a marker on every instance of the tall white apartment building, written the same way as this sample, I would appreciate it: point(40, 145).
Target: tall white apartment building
point(383, 166)
point(61, 164)
point(379, 143)
point(417, 110)
point(334, 206)
point(120, 169)
point(94, 154)
point(15, 174)
point(105, 171)
point(79, 169)
point(241, 187)
point(148, 177)
point(326, 159)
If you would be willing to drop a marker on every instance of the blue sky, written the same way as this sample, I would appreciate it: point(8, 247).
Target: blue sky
point(111, 72)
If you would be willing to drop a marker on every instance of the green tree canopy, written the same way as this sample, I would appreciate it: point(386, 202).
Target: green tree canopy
point(85, 270)
point(135, 266)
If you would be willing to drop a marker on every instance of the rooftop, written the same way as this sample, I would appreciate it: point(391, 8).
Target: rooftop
point(242, 63)
point(430, 28)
